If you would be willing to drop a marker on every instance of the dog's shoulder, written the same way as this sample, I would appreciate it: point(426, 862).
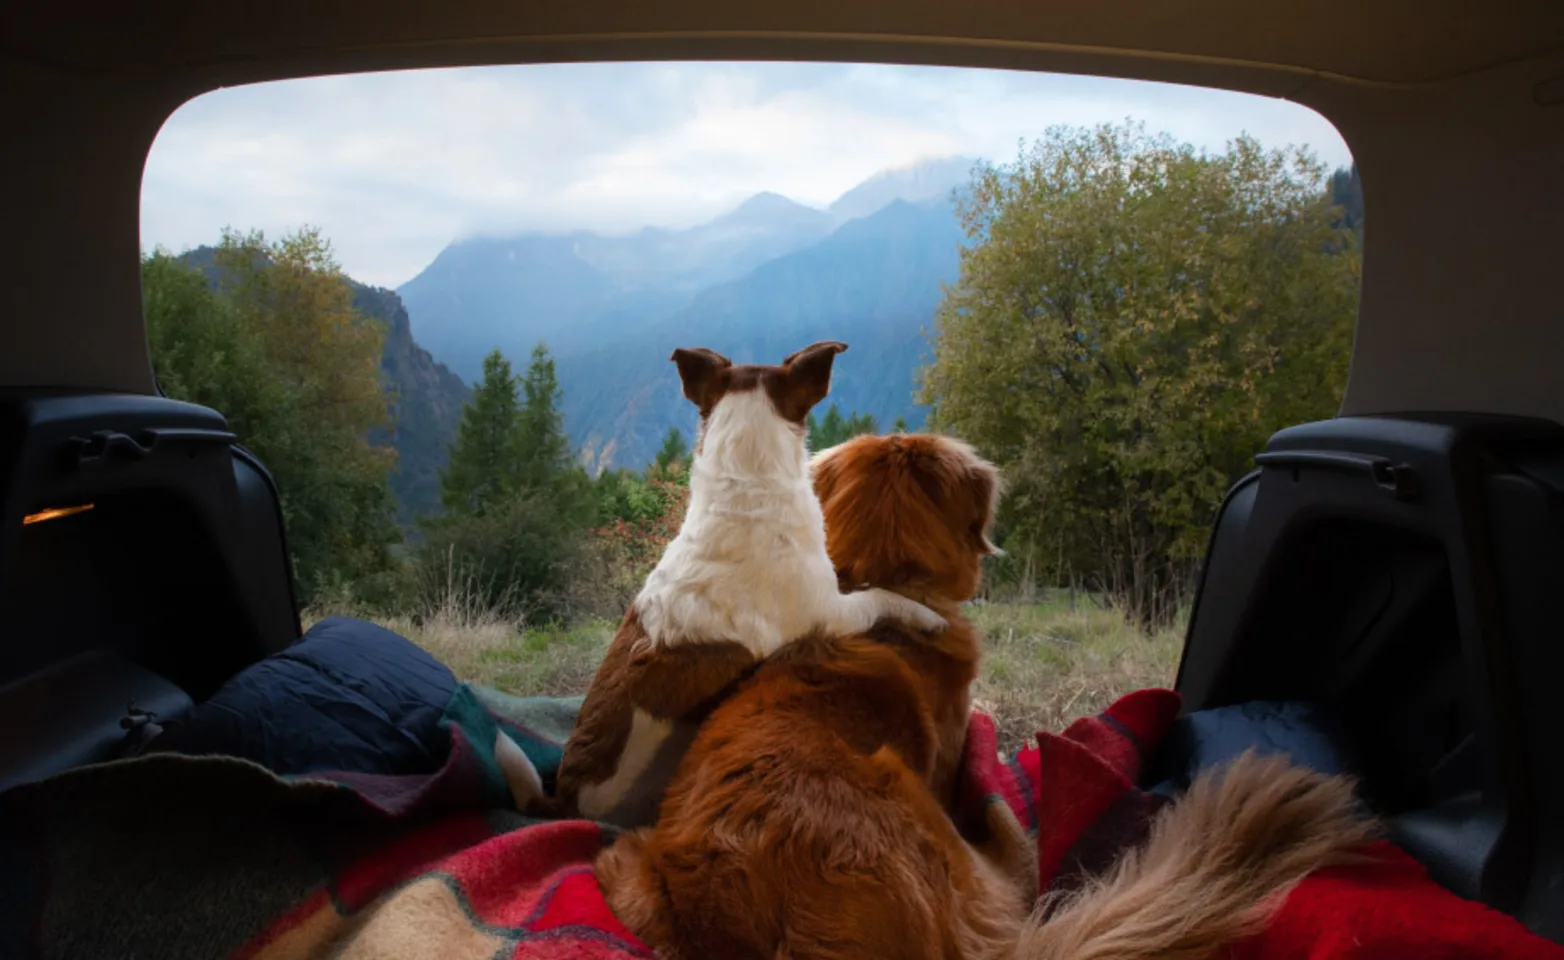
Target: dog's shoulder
point(648, 686)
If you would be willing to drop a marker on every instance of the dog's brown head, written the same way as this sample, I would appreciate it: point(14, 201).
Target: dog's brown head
point(908, 512)
point(791, 388)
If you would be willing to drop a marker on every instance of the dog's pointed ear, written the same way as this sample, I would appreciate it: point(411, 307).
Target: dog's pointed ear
point(807, 377)
point(700, 372)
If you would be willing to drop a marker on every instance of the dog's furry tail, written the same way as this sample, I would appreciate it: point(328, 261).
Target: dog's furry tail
point(1216, 865)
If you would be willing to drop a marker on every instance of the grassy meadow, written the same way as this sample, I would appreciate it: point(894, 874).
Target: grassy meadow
point(1045, 663)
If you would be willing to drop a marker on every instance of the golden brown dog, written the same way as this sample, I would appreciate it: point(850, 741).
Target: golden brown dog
point(809, 817)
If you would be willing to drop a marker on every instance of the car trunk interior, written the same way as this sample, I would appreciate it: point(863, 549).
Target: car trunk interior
point(1400, 563)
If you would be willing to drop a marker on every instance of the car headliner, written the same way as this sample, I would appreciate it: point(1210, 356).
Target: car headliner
point(1453, 110)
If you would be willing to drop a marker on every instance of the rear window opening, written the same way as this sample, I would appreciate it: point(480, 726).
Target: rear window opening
point(374, 276)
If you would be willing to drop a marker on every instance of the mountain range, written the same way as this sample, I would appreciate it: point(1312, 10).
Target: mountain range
point(755, 284)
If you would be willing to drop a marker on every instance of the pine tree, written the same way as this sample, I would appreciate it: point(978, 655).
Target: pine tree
point(900, 426)
point(833, 428)
point(675, 449)
point(483, 467)
point(860, 423)
point(544, 450)
point(829, 431)
point(516, 505)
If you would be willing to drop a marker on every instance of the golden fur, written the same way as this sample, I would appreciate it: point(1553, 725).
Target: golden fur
point(1216, 865)
point(911, 513)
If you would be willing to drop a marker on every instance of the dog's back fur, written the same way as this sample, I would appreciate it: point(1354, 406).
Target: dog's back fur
point(911, 513)
point(801, 825)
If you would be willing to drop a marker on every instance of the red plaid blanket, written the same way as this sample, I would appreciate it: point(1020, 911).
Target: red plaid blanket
point(181, 857)
point(1077, 791)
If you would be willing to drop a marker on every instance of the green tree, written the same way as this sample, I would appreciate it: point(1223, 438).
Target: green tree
point(675, 449)
point(900, 426)
point(833, 428)
point(272, 341)
point(543, 447)
point(860, 423)
point(485, 464)
point(1132, 320)
point(516, 507)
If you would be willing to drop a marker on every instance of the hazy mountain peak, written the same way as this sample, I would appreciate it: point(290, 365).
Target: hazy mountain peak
point(925, 179)
point(767, 205)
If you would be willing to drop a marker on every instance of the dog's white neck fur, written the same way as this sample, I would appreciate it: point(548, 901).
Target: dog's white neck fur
point(749, 564)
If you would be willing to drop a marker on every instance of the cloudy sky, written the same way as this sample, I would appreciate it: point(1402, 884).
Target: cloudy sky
point(394, 166)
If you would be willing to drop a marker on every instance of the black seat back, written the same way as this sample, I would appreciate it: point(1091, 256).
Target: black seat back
point(1409, 571)
point(142, 562)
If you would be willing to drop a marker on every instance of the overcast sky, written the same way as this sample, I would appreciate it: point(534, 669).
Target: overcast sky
point(394, 166)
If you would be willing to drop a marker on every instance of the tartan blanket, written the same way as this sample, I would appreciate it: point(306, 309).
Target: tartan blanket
point(174, 856)
point(1078, 792)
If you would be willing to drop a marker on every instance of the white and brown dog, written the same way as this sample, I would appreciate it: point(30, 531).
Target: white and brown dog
point(747, 574)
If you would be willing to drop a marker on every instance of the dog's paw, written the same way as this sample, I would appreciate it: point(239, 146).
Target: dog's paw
point(917, 615)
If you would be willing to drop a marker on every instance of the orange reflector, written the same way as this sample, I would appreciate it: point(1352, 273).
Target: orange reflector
point(55, 514)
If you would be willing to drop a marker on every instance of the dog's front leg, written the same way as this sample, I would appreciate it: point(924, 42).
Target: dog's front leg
point(857, 612)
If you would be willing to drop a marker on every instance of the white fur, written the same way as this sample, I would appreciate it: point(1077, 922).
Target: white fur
point(526, 786)
point(749, 564)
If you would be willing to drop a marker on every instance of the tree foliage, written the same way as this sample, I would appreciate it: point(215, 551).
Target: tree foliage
point(833, 428)
point(486, 460)
point(1133, 319)
point(544, 449)
point(675, 450)
point(277, 347)
point(516, 507)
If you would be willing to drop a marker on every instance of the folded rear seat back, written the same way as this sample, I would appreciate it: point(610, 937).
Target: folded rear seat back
point(1406, 571)
point(142, 563)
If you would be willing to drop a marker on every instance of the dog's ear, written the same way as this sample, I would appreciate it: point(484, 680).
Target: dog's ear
point(701, 373)
point(981, 483)
point(806, 378)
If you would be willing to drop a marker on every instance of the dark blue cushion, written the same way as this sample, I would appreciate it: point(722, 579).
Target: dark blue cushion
point(348, 696)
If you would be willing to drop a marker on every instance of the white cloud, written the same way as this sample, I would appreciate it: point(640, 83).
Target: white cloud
point(394, 166)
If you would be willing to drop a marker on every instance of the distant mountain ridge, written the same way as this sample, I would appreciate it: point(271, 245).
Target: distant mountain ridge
point(873, 284)
point(928, 179)
point(753, 281)
point(426, 401)
point(577, 289)
point(756, 283)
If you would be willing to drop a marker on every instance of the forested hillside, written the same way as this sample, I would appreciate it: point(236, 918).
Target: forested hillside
point(424, 397)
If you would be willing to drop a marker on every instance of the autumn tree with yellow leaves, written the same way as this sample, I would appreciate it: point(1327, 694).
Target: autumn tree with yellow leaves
point(267, 335)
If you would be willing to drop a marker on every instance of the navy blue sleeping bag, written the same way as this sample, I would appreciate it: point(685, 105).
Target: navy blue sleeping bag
point(348, 696)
